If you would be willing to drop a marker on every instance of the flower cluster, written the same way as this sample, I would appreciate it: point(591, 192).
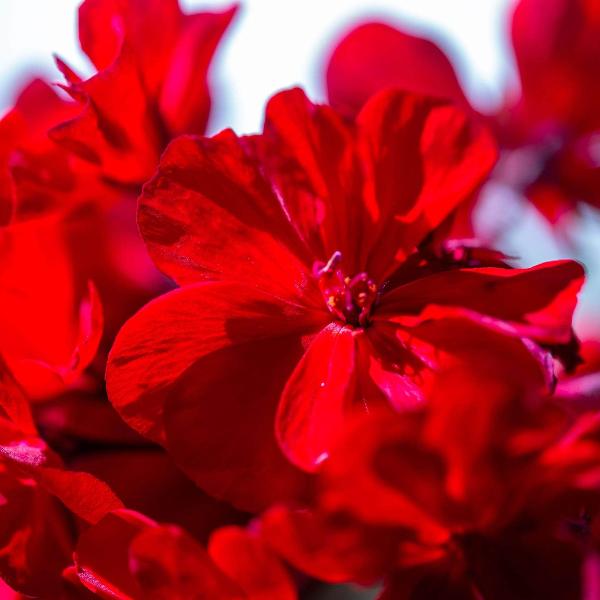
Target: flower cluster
point(255, 366)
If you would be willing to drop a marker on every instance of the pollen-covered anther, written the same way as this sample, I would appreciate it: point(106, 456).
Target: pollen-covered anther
point(350, 299)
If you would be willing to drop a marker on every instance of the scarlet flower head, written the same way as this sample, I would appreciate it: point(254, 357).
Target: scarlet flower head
point(306, 289)
point(153, 62)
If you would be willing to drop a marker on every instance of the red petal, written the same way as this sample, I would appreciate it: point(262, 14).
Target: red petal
point(335, 550)
point(232, 394)
point(317, 397)
point(245, 559)
point(83, 494)
point(557, 49)
point(164, 340)
point(102, 555)
point(375, 56)
point(116, 129)
point(13, 402)
point(35, 537)
point(209, 214)
point(539, 302)
point(444, 159)
point(309, 154)
point(184, 98)
point(149, 27)
point(158, 490)
point(43, 339)
point(180, 352)
point(168, 563)
point(381, 472)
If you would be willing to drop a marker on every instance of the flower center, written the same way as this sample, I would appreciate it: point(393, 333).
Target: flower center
point(349, 299)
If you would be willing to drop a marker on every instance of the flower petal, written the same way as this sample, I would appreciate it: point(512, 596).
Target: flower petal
point(48, 343)
point(168, 563)
point(309, 156)
point(375, 56)
point(184, 97)
point(214, 340)
point(164, 340)
point(116, 129)
point(539, 301)
point(232, 394)
point(247, 560)
point(318, 397)
point(444, 158)
point(209, 214)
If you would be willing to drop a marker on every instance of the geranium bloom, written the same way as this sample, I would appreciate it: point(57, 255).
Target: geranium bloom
point(309, 288)
point(151, 84)
point(153, 63)
point(552, 121)
point(39, 500)
point(501, 511)
point(131, 557)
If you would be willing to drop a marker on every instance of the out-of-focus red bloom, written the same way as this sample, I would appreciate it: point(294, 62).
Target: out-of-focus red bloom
point(39, 500)
point(51, 326)
point(151, 84)
point(158, 489)
point(375, 56)
point(153, 64)
point(488, 493)
point(37, 177)
point(553, 121)
point(130, 557)
point(308, 288)
point(94, 223)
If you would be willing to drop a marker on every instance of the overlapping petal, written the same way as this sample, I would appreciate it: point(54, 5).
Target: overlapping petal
point(374, 56)
point(46, 343)
point(185, 396)
point(129, 556)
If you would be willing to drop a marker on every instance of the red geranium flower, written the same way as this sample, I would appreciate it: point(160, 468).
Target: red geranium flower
point(487, 493)
point(151, 84)
point(308, 287)
point(40, 499)
point(131, 557)
point(553, 120)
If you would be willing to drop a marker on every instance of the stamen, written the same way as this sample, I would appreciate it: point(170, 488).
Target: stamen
point(350, 300)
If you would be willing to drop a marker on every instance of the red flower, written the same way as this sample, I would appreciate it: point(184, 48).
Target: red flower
point(308, 289)
point(39, 500)
point(51, 324)
point(89, 231)
point(375, 56)
point(129, 556)
point(554, 118)
point(151, 84)
point(488, 493)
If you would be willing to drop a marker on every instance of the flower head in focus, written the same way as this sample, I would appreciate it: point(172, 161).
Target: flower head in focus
point(315, 282)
